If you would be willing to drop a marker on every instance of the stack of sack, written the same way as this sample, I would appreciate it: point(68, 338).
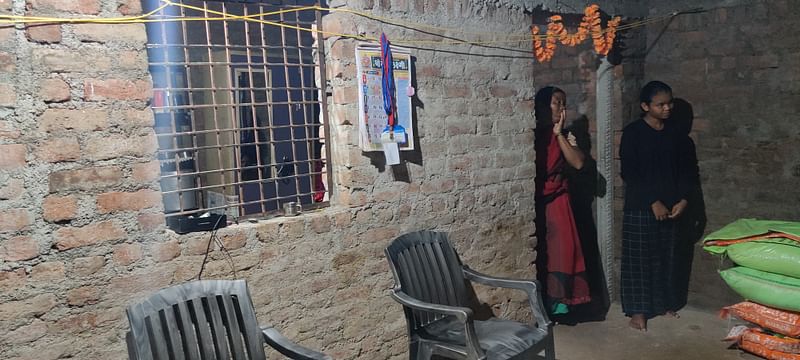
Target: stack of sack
point(767, 274)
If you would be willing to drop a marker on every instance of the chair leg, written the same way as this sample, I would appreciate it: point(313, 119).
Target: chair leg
point(417, 351)
point(550, 351)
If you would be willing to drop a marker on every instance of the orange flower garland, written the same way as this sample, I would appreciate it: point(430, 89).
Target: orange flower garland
point(590, 24)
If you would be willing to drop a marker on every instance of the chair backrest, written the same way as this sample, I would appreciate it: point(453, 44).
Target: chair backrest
point(426, 267)
point(208, 319)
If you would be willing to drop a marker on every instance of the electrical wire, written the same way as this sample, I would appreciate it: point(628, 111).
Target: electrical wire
point(257, 18)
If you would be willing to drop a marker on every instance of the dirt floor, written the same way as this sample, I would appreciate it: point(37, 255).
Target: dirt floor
point(696, 335)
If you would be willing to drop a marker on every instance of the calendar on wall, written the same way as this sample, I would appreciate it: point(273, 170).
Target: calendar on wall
point(372, 116)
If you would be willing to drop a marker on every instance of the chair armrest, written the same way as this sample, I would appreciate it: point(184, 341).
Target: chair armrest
point(463, 314)
point(529, 286)
point(277, 341)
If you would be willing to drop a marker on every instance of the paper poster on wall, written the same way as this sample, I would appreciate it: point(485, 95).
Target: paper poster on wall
point(372, 117)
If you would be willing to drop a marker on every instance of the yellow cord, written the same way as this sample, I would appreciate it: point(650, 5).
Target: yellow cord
point(224, 16)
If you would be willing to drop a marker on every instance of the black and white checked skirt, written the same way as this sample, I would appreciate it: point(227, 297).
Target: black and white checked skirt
point(648, 264)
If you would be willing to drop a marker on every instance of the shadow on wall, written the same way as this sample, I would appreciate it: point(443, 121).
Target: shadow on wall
point(691, 226)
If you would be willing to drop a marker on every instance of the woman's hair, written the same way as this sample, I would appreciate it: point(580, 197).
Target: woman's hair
point(651, 89)
point(541, 103)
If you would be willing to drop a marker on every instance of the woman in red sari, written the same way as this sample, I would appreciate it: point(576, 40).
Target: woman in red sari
point(560, 264)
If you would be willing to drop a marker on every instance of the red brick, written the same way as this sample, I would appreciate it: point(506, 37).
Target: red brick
point(166, 251)
point(65, 60)
point(60, 208)
point(146, 172)
point(68, 119)
point(339, 69)
point(132, 60)
point(87, 321)
point(8, 96)
point(126, 254)
point(14, 220)
point(48, 271)
point(22, 309)
point(86, 266)
point(343, 49)
point(197, 244)
point(27, 333)
point(429, 70)
point(85, 179)
point(150, 222)
point(13, 156)
point(128, 201)
point(133, 119)
point(502, 91)
point(59, 150)
point(54, 90)
point(12, 279)
point(102, 33)
point(12, 189)
point(132, 285)
point(88, 7)
point(81, 296)
point(73, 237)
point(7, 62)
point(130, 7)
point(343, 219)
point(234, 241)
point(338, 23)
point(44, 33)
point(19, 248)
point(320, 224)
point(6, 33)
point(457, 91)
point(105, 146)
point(8, 131)
point(116, 89)
point(345, 95)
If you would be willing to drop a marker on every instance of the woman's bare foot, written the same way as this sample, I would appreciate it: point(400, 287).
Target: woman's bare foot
point(673, 314)
point(638, 322)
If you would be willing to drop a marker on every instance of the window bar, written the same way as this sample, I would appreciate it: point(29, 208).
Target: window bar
point(237, 153)
point(310, 146)
point(214, 107)
point(271, 137)
point(323, 92)
point(289, 99)
point(274, 146)
point(168, 103)
point(253, 112)
point(190, 99)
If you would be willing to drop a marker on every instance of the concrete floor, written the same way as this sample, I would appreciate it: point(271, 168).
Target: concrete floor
point(696, 335)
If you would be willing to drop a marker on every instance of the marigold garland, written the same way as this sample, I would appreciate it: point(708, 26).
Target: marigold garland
point(590, 24)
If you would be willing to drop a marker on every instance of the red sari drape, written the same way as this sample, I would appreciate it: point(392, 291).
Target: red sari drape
point(566, 270)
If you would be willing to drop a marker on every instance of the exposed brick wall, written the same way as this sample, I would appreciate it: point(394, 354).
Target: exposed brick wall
point(81, 226)
point(743, 85)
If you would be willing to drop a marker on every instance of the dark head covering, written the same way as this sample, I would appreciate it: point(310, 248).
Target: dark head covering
point(541, 104)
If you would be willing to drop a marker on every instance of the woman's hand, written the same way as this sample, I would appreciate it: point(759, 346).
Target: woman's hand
point(678, 209)
point(559, 123)
point(660, 211)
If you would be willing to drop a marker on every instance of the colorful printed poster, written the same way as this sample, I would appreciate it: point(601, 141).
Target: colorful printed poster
point(372, 117)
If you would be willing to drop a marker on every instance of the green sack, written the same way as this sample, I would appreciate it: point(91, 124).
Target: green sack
point(777, 258)
point(779, 291)
point(723, 249)
point(743, 228)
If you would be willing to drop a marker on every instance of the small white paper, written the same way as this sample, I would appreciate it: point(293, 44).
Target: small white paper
point(392, 153)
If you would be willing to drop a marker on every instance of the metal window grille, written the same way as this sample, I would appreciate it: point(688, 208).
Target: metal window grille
point(238, 107)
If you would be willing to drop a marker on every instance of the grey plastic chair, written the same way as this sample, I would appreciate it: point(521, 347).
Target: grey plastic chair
point(208, 319)
point(430, 284)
